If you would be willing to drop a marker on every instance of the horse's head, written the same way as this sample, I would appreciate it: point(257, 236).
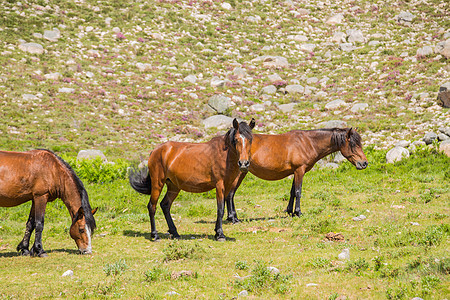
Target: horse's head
point(81, 232)
point(352, 149)
point(240, 139)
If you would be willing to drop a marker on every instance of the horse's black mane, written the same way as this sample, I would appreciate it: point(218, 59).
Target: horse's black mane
point(244, 130)
point(339, 136)
point(83, 193)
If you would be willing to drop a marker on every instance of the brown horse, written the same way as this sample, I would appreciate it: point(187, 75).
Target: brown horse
point(276, 156)
point(195, 168)
point(41, 176)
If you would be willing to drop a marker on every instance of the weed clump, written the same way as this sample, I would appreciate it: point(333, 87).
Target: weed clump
point(156, 274)
point(178, 250)
point(115, 269)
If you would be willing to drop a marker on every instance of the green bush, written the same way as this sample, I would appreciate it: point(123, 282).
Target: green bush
point(178, 250)
point(115, 269)
point(96, 171)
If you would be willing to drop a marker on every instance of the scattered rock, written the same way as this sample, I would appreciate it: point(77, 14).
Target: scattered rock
point(414, 223)
point(298, 38)
point(191, 78)
point(335, 104)
point(346, 47)
point(396, 154)
point(239, 72)
point(344, 255)
point(294, 88)
point(143, 66)
point(445, 147)
point(311, 284)
point(445, 130)
point(66, 90)
point(219, 103)
point(405, 17)
point(307, 47)
point(336, 19)
point(398, 206)
point(52, 35)
point(446, 49)
point(332, 124)
point(355, 35)
point(442, 137)
point(53, 76)
point(335, 237)
point(274, 78)
point(359, 218)
point(257, 107)
point(67, 273)
point(226, 6)
point(444, 95)
point(29, 97)
point(429, 137)
point(339, 37)
point(287, 107)
point(403, 143)
point(269, 90)
point(359, 107)
point(91, 154)
point(184, 273)
point(424, 51)
point(33, 48)
point(273, 270)
point(172, 293)
point(218, 121)
point(272, 61)
point(243, 293)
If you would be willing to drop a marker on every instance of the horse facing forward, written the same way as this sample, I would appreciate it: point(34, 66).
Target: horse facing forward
point(295, 152)
point(194, 168)
point(41, 176)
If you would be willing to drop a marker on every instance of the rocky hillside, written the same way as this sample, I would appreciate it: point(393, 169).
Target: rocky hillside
point(125, 75)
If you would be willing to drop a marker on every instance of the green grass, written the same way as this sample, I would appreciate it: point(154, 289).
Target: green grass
point(389, 257)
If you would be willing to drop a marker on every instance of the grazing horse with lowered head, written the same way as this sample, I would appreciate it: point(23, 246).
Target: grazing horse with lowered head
point(41, 176)
point(295, 152)
point(195, 168)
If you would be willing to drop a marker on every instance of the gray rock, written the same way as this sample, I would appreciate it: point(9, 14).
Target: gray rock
point(218, 121)
point(425, 51)
point(33, 48)
point(257, 107)
point(338, 157)
point(243, 293)
point(269, 90)
point(396, 154)
point(336, 19)
point(405, 17)
point(416, 298)
point(274, 77)
point(403, 143)
point(53, 76)
point(346, 47)
point(239, 72)
point(172, 293)
point(66, 90)
point(445, 130)
point(191, 78)
point(355, 35)
point(294, 88)
point(446, 49)
point(67, 273)
point(91, 154)
point(219, 103)
point(143, 66)
point(332, 124)
point(444, 95)
point(217, 82)
point(286, 107)
point(29, 97)
point(312, 80)
point(298, 38)
point(335, 104)
point(273, 270)
point(52, 35)
point(374, 43)
point(272, 61)
point(359, 107)
point(359, 218)
point(344, 255)
point(307, 47)
point(443, 137)
point(339, 37)
point(429, 137)
point(445, 147)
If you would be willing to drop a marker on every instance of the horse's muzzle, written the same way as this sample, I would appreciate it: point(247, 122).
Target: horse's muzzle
point(243, 165)
point(85, 251)
point(360, 165)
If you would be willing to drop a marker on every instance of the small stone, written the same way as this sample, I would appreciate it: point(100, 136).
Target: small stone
point(429, 137)
point(294, 88)
point(359, 107)
point(226, 6)
point(243, 293)
point(66, 90)
point(442, 137)
point(218, 121)
point(355, 35)
point(336, 19)
point(172, 293)
point(274, 78)
point(445, 130)
point(190, 78)
point(311, 284)
point(332, 124)
point(425, 51)
point(347, 47)
point(445, 147)
point(52, 76)
point(335, 104)
point(239, 72)
point(339, 37)
point(270, 90)
point(33, 48)
point(273, 270)
point(405, 16)
point(219, 103)
point(67, 273)
point(359, 218)
point(52, 35)
point(257, 107)
point(344, 255)
point(29, 97)
point(414, 223)
point(287, 107)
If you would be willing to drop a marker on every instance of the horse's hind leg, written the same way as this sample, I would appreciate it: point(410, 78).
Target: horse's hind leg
point(166, 204)
point(39, 212)
point(24, 245)
point(298, 180)
point(290, 207)
point(156, 191)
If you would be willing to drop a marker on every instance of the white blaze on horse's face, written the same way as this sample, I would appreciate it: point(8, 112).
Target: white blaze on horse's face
point(244, 157)
point(88, 250)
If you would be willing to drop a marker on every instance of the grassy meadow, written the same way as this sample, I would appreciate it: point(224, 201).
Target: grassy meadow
point(399, 251)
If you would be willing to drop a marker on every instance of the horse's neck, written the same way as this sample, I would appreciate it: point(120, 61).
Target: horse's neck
point(323, 143)
point(70, 195)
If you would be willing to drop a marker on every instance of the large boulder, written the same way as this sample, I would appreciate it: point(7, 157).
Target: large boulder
point(445, 147)
point(218, 121)
point(396, 154)
point(91, 154)
point(219, 103)
point(444, 95)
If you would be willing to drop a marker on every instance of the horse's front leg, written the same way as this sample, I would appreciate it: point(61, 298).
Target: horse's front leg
point(24, 245)
point(298, 180)
point(220, 190)
point(40, 203)
point(232, 215)
point(166, 204)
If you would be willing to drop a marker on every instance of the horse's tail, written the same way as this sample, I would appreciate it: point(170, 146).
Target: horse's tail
point(140, 180)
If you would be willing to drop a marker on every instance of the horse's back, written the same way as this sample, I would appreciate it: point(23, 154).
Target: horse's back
point(23, 174)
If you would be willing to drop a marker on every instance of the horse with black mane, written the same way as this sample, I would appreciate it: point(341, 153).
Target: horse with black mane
point(41, 176)
point(275, 157)
point(196, 168)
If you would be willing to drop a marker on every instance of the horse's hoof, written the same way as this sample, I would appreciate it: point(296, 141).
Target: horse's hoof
point(297, 214)
point(42, 254)
point(221, 238)
point(24, 252)
point(175, 236)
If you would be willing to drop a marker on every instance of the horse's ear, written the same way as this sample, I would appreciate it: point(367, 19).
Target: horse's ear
point(235, 124)
point(80, 214)
point(252, 123)
point(350, 132)
point(94, 211)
